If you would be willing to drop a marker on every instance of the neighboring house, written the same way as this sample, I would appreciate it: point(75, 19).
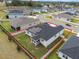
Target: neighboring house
point(70, 50)
point(45, 8)
point(77, 13)
point(45, 33)
point(71, 13)
point(63, 16)
point(23, 23)
point(15, 14)
point(40, 9)
point(36, 10)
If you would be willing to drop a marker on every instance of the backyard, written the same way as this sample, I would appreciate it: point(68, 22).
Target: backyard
point(37, 51)
point(26, 42)
point(68, 34)
point(5, 22)
point(7, 26)
point(53, 55)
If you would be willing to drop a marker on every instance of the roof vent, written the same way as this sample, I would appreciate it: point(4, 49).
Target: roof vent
point(52, 25)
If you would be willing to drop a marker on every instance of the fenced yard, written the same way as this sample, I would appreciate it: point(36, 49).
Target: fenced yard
point(37, 51)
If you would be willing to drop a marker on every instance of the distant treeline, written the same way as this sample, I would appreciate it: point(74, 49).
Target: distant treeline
point(39, 3)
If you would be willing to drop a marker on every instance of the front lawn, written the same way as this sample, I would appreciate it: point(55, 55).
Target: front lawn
point(49, 17)
point(75, 20)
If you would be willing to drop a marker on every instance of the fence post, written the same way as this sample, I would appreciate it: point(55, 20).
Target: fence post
point(18, 49)
point(9, 38)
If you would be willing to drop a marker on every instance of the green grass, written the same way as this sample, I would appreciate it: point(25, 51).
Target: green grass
point(38, 51)
point(49, 17)
point(26, 42)
point(53, 55)
point(68, 34)
point(7, 26)
point(75, 20)
point(3, 15)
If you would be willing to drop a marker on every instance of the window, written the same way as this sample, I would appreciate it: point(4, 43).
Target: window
point(37, 40)
point(66, 58)
point(55, 35)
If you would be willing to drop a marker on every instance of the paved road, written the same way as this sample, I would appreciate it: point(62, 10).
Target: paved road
point(74, 27)
point(8, 49)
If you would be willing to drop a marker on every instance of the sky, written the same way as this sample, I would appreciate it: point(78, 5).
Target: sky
point(60, 0)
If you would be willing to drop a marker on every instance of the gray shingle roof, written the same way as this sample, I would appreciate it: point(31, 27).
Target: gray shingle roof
point(23, 21)
point(63, 15)
point(71, 47)
point(15, 11)
point(46, 31)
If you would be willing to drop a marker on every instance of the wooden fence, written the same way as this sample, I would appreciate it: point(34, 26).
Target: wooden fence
point(19, 45)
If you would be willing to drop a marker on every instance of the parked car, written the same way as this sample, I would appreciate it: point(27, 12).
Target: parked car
point(68, 25)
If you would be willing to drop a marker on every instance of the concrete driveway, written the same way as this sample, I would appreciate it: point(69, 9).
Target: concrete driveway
point(8, 49)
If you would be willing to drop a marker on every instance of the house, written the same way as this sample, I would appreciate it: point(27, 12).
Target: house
point(71, 12)
point(63, 16)
point(44, 33)
point(36, 10)
point(15, 13)
point(45, 8)
point(40, 9)
point(70, 50)
point(23, 23)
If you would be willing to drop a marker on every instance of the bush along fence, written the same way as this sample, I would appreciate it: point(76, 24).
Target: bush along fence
point(19, 45)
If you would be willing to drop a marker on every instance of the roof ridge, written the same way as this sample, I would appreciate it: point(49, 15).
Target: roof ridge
point(69, 48)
